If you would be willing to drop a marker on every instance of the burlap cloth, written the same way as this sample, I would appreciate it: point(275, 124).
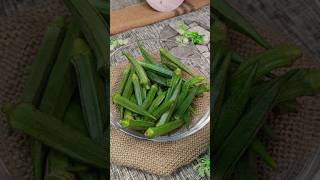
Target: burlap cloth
point(297, 134)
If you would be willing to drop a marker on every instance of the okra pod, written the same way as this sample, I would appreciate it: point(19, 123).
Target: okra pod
point(144, 93)
point(144, 81)
point(187, 118)
point(155, 104)
point(238, 141)
point(122, 101)
point(152, 93)
point(162, 109)
point(259, 148)
point(167, 115)
point(187, 102)
point(233, 19)
point(173, 83)
point(153, 132)
point(233, 108)
point(186, 87)
point(53, 133)
point(246, 168)
point(147, 57)
point(128, 114)
point(166, 55)
point(157, 78)
point(137, 89)
point(156, 69)
point(136, 124)
point(124, 80)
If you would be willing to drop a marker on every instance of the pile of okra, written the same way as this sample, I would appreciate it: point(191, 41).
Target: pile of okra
point(154, 97)
point(245, 90)
point(63, 106)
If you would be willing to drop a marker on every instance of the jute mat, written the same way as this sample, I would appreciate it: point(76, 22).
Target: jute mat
point(142, 14)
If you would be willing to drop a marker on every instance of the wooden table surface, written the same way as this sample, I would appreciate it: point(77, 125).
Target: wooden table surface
point(299, 19)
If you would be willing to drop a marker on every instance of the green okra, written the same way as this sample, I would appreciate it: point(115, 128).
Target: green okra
point(258, 148)
point(136, 124)
point(82, 62)
point(156, 69)
point(173, 83)
point(128, 90)
point(280, 56)
point(60, 84)
point(153, 132)
point(186, 87)
point(233, 19)
point(125, 102)
point(167, 56)
point(128, 114)
point(157, 78)
point(219, 82)
point(144, 81)
point(156, 103)
point(167, 115)
point(186, 102)
point(137, 89)
point(237, 142)
point(124, 79)
point(45, 58)
point(55, 134)
point(233, 108)
point(246, 168)
point(187, 118)
point(163, 108)
point(152, 93)
point(147, 57)
point(94, 28)
point(144, 92)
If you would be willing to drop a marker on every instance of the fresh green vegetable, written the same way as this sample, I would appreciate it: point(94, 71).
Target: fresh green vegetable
point(124, 80)
point(136, 124)
point(157, 79)
point(187, 102)
point(53, 133)
point(233, 19)
point(246, 168)
point(137, 89)
point(122, 101)
point(259, 148)
point(167, 115)
point(155, 104)
point(94, 28)
point(147, 57)
point(235, 144)
point(156, 69)
point(42, 65)
point(163, 129)
point(139, 70)
point(87, 89)
point(163, 108)
point(167, 56)
point(152, 93)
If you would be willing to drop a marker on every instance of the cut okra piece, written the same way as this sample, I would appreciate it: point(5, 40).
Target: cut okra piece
point(153, 132)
